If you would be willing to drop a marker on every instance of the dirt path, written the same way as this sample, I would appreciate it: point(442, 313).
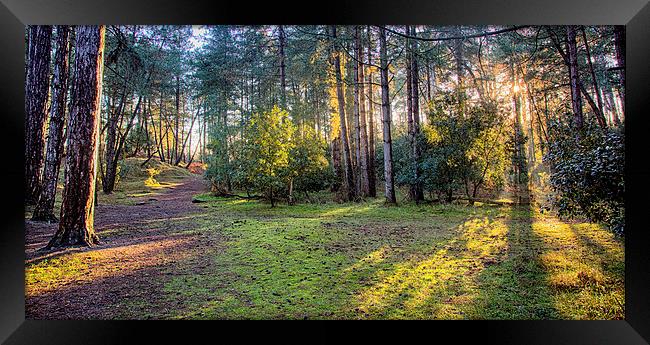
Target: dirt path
point(141, 245)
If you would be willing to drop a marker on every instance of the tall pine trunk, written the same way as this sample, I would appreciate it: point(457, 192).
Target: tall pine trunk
point(36, 94)
point(77, 210)
point(372, 179)
point(283, 78)
point(357, 121)
point(619, 40)
point(417, 192)
point(576, 99)
point(345, 145)
point(177, 120)
point(44, 210)
point(385, 111)
point(600, 113)
point(363, 135)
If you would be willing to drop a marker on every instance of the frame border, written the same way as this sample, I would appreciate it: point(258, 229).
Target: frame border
point(15, 14)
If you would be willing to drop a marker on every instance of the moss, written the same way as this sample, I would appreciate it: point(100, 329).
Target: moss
point(369, 261)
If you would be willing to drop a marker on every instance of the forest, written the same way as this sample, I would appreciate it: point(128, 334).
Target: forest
point(324, 171)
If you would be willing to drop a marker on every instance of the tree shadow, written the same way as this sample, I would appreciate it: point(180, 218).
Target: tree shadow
point(517, 287)
point(100, 283)
point(604, 245)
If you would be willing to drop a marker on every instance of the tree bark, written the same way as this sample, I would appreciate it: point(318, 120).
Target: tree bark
point(177, 120)
point(418, 192)
point(599, 114)
point(77, 210)
point(372, 180)
point(44, 210)
point(113, 158)
point(576, 99)
point(36, 93)
point(460, 71)
point(283, 78)
point(385, 110)
point(363, 138)
point(345, 146)
point(619, 41)
point(357, 121)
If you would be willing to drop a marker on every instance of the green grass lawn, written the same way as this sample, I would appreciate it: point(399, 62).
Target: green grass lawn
point(364, 260)
point(368, 261)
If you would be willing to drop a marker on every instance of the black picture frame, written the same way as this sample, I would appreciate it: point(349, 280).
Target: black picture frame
point(635, 14)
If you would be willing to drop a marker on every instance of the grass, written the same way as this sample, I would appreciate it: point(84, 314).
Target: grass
point(367, 261)
point(136, 182)
point(354, 261)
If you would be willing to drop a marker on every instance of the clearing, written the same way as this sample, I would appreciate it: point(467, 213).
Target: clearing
point(164, 257)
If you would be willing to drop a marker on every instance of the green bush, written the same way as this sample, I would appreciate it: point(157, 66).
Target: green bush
point(587, 172)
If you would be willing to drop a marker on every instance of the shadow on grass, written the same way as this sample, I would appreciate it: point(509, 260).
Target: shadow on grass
point(517, 288)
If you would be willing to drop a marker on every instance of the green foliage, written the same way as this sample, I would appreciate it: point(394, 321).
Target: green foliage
point(266, 148)
point(459, 153)
point(587, 172)
point(308, 165)
point(272, 155)
point(516, 142)
point(220, 169)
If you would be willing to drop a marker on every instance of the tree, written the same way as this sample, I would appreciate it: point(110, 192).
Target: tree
point(308, 169)
point(348, 174)
point(268, 142)
point(283, 78)
point(619, 40)
point(36, 95)
point(372, 183)
point(576, 99)
point(416, 187)
point(44, 210)
point(364, 159)
point(385, 111)
point(76, 226)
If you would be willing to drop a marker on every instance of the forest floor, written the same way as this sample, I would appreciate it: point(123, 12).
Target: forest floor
point(164, 257)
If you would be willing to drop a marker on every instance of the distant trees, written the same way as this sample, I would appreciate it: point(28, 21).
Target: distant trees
point(454, 103)
point(76, 226)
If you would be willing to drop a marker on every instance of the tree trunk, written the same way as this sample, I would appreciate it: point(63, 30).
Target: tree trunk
point(113, 157)
point(44, 210)
point(77, 210)
point(336, 162)
point(363, 166)
point(355, 113)
point(372, 180)
point(345, 146)
point(576, 99)
point(619, 41)
point(415, 112)
point(177, 120)
point(600, 113)
point(283, 78)
point(189, 136)
point(460, 71)
point(36, 93)
point(385, 110)
point(108, 179)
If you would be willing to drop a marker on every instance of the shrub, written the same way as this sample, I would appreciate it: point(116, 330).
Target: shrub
point(587, 172)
